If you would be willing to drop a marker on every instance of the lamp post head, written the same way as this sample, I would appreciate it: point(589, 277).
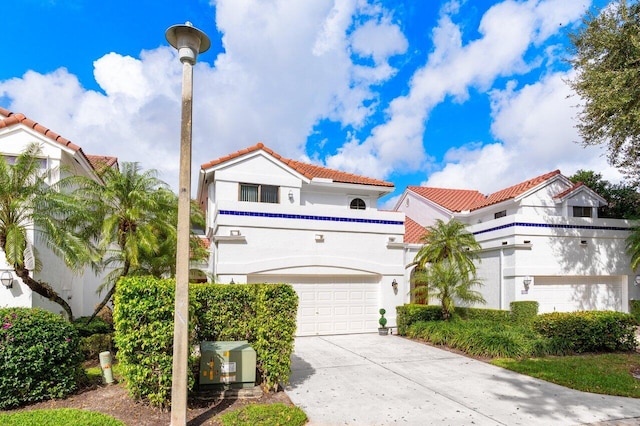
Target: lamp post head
point(188, 40)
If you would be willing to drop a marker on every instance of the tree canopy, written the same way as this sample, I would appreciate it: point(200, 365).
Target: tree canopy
point(623, 200)
point(606, 57)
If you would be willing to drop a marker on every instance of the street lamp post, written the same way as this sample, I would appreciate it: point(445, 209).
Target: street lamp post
point(189, 41)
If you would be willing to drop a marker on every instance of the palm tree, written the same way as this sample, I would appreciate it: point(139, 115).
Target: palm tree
point(447, 283)
point(28, 202)
point(451, 241)
point(132, 217)
point(444, 266)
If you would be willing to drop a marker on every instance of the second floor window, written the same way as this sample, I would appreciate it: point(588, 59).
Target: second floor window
point(580, 211)
point(500, 214)
point(357, 204)
point(258, 193)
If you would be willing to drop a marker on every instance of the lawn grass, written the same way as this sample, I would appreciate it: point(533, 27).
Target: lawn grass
point(265, 415)
point(608, 374)
point(57, 417)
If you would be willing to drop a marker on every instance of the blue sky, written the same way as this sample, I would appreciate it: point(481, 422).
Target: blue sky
point(441, 93)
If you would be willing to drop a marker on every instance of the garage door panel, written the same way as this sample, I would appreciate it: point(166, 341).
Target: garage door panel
point(568, 294)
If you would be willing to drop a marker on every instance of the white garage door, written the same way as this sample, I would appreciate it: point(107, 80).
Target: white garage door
point(333, 304)
point(567, 294)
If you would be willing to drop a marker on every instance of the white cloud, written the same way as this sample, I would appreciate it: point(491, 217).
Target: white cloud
point(507, 32)
point(535, 125)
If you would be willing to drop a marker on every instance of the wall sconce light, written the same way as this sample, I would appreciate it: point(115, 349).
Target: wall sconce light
point(394, 284)
point(527, 282)
point(291, 195)
point(636, 281)
point(7, 279)
point(231, 282)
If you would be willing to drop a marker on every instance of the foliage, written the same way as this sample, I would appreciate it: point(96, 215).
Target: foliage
point(633, 247)
point(589, 331)
point(56, 417)
point(634, 309)
point(448, 283)
point(265, 414)
point(408, 314)
point(524, 311)
point(606, 58)
point(608, 374)
point(143, 316)
point(29, 201)
point(40, 356)
point(382, 321)
point(497, 315)
point(623, 200)
point(97, 326)
point(263, 314)
point(91, 346)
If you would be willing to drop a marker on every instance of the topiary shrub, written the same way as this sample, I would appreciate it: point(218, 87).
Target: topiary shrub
point(40, 357)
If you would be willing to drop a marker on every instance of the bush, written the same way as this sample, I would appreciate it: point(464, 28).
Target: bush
point(524, 311)
point(497, 315)
point(411, 313)
point(97, 326)
point(92, 346)
point(634, 309)
point(588, 331)
point(41, 357)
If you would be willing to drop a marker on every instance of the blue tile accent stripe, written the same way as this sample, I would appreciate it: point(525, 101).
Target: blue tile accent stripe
point(553, 225)
point(310, 217)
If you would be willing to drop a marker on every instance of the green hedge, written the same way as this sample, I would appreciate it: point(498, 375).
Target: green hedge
point(524, 311)
point(483, 314)
point(411, 313)
point(40, 357)
point(97, 326)
point(263, 314)
point(588, 331)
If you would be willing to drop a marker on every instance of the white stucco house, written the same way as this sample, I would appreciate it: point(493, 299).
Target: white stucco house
point(16, 133)
point(272, 219)
point(541, 240)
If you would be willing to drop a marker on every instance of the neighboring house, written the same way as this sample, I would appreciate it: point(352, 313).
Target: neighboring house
point(272, 219)
point(16, 133)
point(541, 240)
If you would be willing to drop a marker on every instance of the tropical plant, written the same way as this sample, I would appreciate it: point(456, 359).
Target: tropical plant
point(31, 206)
point(132, 217)
point(448, 241)
point(448, 283)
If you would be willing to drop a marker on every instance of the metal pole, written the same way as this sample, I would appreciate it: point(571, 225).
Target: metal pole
point(181, 318)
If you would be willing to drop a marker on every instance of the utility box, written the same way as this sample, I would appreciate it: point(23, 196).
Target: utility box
point(228, 365)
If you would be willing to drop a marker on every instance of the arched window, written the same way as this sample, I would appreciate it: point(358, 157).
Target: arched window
point(357, 204)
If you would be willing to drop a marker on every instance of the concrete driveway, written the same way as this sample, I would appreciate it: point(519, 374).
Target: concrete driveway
point(367, 379)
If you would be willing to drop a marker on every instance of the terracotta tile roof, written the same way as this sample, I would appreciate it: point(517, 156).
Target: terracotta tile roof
point(457, 200)
point(454, 200)
point(309, 171)
point(8, 119)
point(569, 191)
point(100, 162)
point(513, 191)
point(413, 231)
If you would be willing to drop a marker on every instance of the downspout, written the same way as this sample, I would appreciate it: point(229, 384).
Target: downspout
point(501, 278)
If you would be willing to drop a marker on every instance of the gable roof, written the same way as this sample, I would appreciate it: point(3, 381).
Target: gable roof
point(101, 162)
point(458, 200)
point(9, 119)
point(309, 171)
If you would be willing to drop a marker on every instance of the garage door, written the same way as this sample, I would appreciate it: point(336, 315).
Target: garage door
point(567, 294)
point(333, 304)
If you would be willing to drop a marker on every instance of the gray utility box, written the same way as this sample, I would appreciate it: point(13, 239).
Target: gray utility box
point(227, 364)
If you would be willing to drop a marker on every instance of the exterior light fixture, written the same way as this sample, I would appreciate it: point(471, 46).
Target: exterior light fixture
point(527, 282)
point(394, 284)
point(7, 279)
point(636, 281)
point(231, 282)
point(189, 41)
point(291, 195)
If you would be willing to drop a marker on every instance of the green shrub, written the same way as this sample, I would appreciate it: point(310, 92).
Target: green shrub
point(634, 309)
point(266, 415)
point(97, 326)
point(524, 311)
point(482, 314)
point(143, 317)
point(411, 313)
point(40, 356)
point(56, 417)
point(588, 331)
point(92, 346)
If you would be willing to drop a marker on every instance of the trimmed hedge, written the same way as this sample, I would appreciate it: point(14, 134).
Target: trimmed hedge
point(97, 326)
point(634, 309)
point(411, 313)
point(263, 314)
point(524, 311)
point(588, 331)
point(40, 357)
point(482, 314)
